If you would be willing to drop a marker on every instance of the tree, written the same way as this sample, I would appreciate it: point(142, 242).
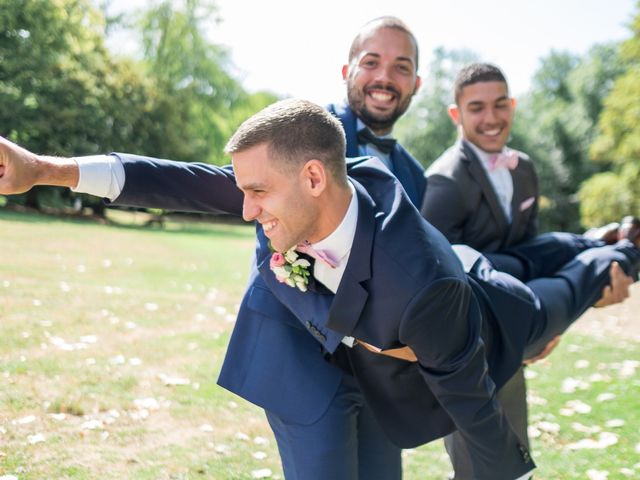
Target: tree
point(618, 141)
point(556, 123)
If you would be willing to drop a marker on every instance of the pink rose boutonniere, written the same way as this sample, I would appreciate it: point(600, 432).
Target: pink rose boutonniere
point(290, 269)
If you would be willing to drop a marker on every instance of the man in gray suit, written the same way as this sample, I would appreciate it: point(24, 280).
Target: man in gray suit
point(483, 194)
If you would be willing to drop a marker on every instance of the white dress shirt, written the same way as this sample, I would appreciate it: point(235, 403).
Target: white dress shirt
point(500, 180)
point(100, 175)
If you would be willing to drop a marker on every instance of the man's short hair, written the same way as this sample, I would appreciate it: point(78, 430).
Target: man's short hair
point(388, 21)
point(476, 73)
point(295, 131)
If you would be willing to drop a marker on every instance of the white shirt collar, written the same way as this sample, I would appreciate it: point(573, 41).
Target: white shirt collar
point(338, 243)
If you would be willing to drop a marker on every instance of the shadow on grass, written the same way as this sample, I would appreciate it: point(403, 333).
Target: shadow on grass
point(228, 227)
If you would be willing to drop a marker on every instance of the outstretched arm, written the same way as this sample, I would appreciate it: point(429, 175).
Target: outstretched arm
point(20, 169)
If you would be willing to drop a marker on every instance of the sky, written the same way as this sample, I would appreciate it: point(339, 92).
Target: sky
point(297, 48)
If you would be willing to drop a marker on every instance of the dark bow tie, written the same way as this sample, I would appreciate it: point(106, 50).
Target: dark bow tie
point(385, 145)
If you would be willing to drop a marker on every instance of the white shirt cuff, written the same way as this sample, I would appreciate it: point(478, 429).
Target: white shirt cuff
point(526, 476)
point(100, 175)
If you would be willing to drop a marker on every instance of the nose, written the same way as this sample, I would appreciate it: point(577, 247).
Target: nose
point(384, 73)
point(250, 209)
point(490, 116)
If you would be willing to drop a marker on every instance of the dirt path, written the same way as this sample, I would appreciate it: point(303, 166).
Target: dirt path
point(622, 320)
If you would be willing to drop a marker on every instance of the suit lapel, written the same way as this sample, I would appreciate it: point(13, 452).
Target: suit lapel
point(351, 295)
point(477, 171)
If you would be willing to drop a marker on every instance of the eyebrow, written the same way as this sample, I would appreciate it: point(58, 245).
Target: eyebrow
point(481, 102)
point(377, 55)
point(252, 186)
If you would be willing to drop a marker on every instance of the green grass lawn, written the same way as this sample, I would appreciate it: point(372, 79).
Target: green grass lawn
point(111, 339)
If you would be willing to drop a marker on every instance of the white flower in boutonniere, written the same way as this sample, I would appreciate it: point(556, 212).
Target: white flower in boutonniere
point(290, 269)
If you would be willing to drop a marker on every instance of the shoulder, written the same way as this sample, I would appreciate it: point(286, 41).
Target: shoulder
point(452, 163)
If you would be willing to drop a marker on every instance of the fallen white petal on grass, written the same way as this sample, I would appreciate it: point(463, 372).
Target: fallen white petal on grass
point(627, 472)
point(581, 364)
point(579, 427)
point(593, 474)
point(151, 307)
point(135, 362)
point(605, 440)
point(603, 397)
point(65, 287)
point(548, 427)
point(576, 406)
point(148, 403)
point(599, 377)
point(25, 420)
point(570, 385)
point(628, 368)
point(262, 473)
point(242, 436)
point(92, 425)
point(229, 318)
point(637, 448)
point(221, 448)
point(259, 455)
point(117, 360)
point(261, 441)
point(614, 423)
point(232, 404)
point(173, 381)
point(36, 438)
point(89, 339)
point(58, 416)
point(220, 310)
point(9, 477)
point(131, 325)
point(207, 428)
point(533, 399)
point(6, 283)
point(106, 263)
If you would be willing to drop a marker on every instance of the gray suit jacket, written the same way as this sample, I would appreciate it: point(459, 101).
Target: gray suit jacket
point(473, 214)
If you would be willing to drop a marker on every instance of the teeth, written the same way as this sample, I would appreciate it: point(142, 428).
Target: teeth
point(493, 132)
point(382, 96)
point(268, 226)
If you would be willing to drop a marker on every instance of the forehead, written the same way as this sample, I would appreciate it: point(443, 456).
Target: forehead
point(255, 167)
point(484, 92)
point(388, 42)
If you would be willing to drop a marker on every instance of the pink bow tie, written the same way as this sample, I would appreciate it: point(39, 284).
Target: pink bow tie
point(503, 160)
point(305, 247)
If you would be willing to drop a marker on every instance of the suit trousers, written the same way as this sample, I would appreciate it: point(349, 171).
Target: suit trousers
point(346, 443)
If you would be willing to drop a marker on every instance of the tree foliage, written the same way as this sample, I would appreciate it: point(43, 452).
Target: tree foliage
point(64, 93)
point(556, 123)
point(618, 141)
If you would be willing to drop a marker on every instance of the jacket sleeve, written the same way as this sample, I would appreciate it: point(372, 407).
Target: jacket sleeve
point(179, 186)
point(442, 325)
point(443, 206)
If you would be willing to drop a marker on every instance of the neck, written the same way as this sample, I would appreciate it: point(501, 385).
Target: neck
point(335, 205)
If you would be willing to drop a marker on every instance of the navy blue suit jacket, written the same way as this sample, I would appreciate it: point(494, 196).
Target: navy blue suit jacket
point(404, 166)
point(419, 296)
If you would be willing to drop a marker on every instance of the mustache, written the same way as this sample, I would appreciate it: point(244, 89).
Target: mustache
point(386, 88)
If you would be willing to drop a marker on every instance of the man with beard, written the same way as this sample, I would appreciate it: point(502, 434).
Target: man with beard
point(381, 79)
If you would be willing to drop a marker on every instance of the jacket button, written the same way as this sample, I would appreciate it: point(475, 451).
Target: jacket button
point(526, 457)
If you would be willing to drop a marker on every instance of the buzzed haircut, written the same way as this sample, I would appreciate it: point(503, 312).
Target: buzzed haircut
point(388, 21)
point(476, 73)
point(295, 131)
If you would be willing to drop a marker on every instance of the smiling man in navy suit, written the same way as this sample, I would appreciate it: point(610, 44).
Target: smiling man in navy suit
point(427, 343)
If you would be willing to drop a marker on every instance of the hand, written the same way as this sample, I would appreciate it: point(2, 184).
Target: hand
point(618, 290)
point(545, 351)
point(21, 169)
point(17, 168)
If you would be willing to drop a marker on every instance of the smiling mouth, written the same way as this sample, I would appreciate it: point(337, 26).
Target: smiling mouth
point(494, 132)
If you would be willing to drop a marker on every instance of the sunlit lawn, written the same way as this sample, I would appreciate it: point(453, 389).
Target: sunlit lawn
point(111, 339)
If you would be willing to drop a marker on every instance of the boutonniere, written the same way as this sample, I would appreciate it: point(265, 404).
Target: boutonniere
point(290, 269)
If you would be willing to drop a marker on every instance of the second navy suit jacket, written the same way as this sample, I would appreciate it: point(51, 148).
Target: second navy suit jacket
point(473, 214)
point(392, 294)
point(404, 166)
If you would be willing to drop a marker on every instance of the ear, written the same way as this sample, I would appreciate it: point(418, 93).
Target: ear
point(454, 113)
point(513, 103)
point(418, 84)
point(345, 72)
point(314, 177)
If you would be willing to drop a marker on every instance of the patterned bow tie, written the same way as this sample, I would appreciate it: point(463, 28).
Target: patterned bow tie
point(385, 145)
point(319, 255)
point(503, 160)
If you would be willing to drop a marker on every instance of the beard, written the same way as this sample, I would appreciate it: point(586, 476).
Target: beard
point(376, 120)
